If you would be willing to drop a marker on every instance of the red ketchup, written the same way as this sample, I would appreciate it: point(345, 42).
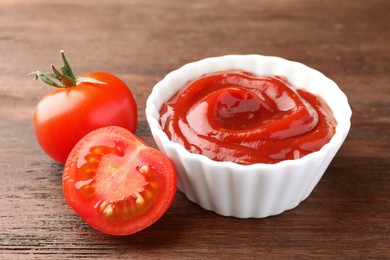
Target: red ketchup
point(244, 118)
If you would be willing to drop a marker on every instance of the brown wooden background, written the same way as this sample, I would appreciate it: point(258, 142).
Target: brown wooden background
point(346, 216)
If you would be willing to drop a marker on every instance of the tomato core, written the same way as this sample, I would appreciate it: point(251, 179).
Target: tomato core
point(124, 189)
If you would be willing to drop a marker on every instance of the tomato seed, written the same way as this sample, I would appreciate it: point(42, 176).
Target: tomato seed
point(143, 169)
point(101, 150)
point(87, 171)
point(108, 210)
point(92, 158)
point(86, 192)
point(139, 200)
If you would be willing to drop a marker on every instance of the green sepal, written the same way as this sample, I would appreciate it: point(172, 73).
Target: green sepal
point(52, 75)
point(45, 77)
point(66, 69)
point(67, 81)
point(64, 76)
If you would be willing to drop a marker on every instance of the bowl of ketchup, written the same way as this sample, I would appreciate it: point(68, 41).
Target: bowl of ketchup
point(250, 135)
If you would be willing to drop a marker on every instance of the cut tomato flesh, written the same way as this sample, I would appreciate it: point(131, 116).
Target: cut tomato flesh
point(118, 182)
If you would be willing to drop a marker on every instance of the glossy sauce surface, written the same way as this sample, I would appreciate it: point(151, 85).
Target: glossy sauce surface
point(245, 118)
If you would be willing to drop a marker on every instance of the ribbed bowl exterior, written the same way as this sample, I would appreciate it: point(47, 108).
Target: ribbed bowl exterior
point(257, 190)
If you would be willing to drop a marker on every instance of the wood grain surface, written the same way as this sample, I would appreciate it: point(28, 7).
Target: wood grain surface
point(346, 216)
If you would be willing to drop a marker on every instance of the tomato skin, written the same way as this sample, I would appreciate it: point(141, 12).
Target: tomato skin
point(132, 154)
point(65, 115)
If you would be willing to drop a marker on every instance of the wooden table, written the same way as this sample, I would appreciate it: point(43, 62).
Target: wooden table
point(346, 216)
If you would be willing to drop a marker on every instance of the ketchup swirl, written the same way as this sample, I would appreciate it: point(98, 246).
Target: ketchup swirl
point(245, 118)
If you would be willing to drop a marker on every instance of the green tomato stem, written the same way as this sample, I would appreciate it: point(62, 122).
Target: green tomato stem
point(62, 78)
point(68, 82)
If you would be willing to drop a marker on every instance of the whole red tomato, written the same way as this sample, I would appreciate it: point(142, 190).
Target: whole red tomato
point(79, 105)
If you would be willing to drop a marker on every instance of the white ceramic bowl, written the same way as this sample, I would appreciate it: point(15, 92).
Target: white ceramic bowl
point(257, 190)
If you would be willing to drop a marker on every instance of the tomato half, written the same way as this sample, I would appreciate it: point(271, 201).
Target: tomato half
point(66, 114)
point(117, 183)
